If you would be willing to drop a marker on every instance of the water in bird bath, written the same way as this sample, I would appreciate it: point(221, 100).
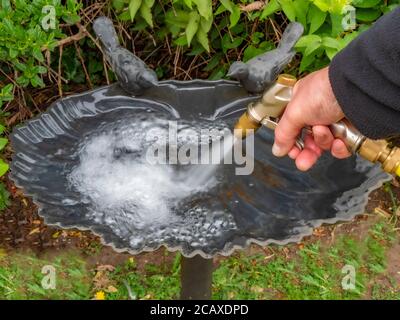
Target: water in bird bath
point(132, 180)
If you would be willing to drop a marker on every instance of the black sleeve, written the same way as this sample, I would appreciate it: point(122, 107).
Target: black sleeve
point(365, 78)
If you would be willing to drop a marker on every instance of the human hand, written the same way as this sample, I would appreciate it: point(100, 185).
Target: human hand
point(313, 104)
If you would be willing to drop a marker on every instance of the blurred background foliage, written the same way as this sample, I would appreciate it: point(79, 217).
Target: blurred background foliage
point(48, 50)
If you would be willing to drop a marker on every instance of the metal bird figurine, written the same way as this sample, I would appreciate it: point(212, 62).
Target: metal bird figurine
point(261, 71)
point(132, 73)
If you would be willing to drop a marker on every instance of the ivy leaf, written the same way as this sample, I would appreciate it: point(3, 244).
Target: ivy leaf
point(3, 143)
point(192, 26)
point(134, 6)
point(202, 38)
point(204, 7)
point(3, 167)
point(271, 7)
point(145, 12)
point(316, 18)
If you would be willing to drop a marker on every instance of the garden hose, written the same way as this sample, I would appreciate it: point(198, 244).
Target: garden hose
point(268, 110)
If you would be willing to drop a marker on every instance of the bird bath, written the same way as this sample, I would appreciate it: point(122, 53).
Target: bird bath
point(82, 161)
point(71, 158)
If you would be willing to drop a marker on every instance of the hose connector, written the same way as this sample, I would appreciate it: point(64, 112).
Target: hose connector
point(381, 151)
point(269, 108)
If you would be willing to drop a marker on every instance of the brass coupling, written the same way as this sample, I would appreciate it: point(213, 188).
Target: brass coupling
point(269, 108)
point(380, 151)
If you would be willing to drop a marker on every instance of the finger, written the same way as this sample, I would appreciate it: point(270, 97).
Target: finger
point(309, 156)
point(294, 153)
point(323, 137)
point(339, 149)
point(289, 127)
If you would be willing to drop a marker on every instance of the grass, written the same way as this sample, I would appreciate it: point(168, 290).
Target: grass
point(314, 271)
point(21, 277)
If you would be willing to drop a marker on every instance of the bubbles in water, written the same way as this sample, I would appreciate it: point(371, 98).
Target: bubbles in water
point(128, 194)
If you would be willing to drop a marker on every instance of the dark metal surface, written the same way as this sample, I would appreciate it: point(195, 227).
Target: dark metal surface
point(276, 204)
point(196, 278)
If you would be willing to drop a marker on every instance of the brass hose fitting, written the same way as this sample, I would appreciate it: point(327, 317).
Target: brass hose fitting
point(380, 151)
point(268, 110)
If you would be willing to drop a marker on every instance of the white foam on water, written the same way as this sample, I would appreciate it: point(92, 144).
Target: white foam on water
point(126, 193)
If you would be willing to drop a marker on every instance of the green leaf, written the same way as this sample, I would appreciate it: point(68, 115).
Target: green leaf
point(312, 47)
point(227, 4)
point(145, 12)
point(329, 42)
point(134, 6)
point(149, 3)
point(301, 9)
point(192, 26)
point(228, 43)
point(204, 7)
point(2, 128)
point(305, 41)
point(3, 167)
point(181, 41)
point(316, 18)
point(37, 54)
point(118, 4)
point(214, 62)
point(306, 61)
point(202, 38)
point(331, 52)
point(3, 143)
point(234, 16)
point(205, 24)
point(289, 9)
point(188, 3)
point(367, 15)
point(271, 7)
point(337, 27)
point(365, 3)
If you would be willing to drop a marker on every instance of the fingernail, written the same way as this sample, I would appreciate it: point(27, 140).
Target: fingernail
point(277, 151)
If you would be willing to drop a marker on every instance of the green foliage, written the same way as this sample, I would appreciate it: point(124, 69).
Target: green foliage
point(6, 95)
point(4, 197)
point(23, 35)
point(207, 26)
point(331, 24)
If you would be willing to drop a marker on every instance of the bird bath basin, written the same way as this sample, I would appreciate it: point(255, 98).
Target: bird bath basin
point(85, 164)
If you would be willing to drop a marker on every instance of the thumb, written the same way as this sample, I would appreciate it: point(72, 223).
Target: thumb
point(287, 131)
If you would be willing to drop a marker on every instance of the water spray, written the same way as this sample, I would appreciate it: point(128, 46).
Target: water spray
point(267, 111)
